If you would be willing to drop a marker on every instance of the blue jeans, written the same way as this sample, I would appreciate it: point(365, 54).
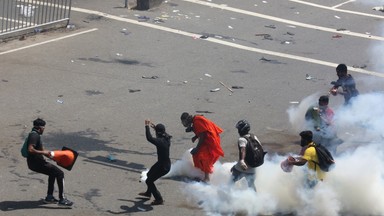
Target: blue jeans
point(250, 177)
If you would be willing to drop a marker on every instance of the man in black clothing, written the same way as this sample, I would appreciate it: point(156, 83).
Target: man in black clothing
point(37, 163)
point(163, 164)
point(346, 82)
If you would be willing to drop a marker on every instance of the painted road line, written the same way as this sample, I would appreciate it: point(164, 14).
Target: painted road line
point(217, 41)
point(339, 10)
point(339, 5)
point(48, 41)
point(290, 22)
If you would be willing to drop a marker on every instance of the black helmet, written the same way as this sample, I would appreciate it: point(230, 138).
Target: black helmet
point(243, 127)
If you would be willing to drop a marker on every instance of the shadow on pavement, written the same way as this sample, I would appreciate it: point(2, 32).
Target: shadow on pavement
point(30, 204)
point(138, 206)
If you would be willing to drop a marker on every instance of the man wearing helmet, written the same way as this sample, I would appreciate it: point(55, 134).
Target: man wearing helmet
point(241, 169)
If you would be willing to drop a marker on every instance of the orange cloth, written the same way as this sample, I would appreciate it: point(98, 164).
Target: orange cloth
point(210, 150)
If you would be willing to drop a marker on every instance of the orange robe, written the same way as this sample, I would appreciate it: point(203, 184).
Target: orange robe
point(210, 150)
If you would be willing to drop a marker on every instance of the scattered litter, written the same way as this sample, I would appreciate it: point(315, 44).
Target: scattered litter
point(270, 26)
point(226, 86)
point(230, 27)
point(286, 42)
point(265, 2)
point(72, 60)
point(111, 158)
point(158, 20)
point(208, 75)
point(134, 90)
point(237, 87)
point(70, 26)
point(266, 36)
point(270, 61)
point(336, 36)
point(143, 18)
point(357, 66)
point(341, 29)
point(141, 209)
point(290, 33)
point(151, 77)
point(119, 54)
point(185, 82)
point(264, 59)
point(203, 111)
point(125, 32)
point(291, 26)
point(59, 101)
point(308, 77)
point(337, 17)
point(378, 8)
point(203, 36)
point(176, 11)
point(215, 90)
point(294, 102)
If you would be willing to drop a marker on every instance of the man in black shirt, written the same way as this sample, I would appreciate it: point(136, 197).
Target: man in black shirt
point(346, 82)
point(162, 141)
point(37, 163)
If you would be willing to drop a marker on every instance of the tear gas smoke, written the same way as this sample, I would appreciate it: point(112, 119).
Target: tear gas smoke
point(355, 186)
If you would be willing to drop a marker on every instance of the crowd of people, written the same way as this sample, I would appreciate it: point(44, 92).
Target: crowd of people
point(320, 130)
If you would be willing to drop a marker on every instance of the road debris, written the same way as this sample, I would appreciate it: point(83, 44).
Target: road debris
point(227, 87)
point(150, 77)
point(215, 90)
point(378, 8)
point(134, 90)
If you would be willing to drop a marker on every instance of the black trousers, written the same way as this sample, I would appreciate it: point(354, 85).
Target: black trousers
point(53, 172)
point(157, 170)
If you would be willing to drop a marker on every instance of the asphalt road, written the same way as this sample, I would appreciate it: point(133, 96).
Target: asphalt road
point(95, 84)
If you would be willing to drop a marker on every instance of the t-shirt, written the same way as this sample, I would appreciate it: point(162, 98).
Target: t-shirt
point(242, 143)
point(35, 140)
point(314, 169)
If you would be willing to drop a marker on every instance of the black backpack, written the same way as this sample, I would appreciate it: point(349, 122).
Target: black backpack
point(254, 155)
point(325, 158)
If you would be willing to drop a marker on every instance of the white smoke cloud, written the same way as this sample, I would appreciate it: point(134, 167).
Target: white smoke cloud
point(355, 186)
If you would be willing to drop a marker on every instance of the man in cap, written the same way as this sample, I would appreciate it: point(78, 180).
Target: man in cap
point(208, 149)
point(162, 141)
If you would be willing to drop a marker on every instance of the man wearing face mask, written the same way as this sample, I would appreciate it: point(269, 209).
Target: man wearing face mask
point(319, 119)
point(208, 149)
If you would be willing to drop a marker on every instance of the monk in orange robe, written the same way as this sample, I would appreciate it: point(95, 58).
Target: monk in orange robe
point(208, 149)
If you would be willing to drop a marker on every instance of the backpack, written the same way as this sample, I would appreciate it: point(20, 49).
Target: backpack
point(24, 148)
point(254, 155)
point(325, 158)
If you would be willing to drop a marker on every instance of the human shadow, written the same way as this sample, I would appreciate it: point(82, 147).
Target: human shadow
point(27, 204)
point(138, 206)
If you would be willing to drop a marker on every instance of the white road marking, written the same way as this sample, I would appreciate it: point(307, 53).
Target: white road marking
point(339, 10)
point(230, 44)
point(339, 5)
point(48, 41)
point(289, 22)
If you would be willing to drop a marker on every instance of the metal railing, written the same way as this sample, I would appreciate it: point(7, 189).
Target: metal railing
point(18, 15)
